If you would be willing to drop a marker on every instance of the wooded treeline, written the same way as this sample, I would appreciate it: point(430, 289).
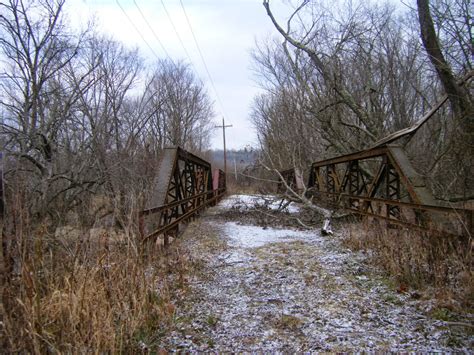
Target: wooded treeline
point(81, 114)
point(343, 75)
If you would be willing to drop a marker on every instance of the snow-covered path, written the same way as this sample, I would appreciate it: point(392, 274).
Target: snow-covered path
point(275, 289)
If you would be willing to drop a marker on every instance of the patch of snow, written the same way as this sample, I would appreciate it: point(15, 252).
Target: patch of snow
point(248, 236)
point(248, 202)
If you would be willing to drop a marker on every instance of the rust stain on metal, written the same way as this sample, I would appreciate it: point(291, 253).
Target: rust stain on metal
point(184, 186)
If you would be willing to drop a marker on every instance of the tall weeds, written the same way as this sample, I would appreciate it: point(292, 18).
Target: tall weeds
point(89, 294)
point(419, 259)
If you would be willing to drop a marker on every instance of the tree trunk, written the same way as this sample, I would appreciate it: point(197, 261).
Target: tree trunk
point(458, 97)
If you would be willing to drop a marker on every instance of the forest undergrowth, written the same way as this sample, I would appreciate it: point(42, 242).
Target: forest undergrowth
point(95, 293)
point(436, 265)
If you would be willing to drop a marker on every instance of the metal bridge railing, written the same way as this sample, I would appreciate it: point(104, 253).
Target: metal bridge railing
point(381, 183)
point(185, 185)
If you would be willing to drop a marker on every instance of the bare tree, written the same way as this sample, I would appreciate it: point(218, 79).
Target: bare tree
point(185, 110)
point(36, 47)
point(104, 77)
point(353, 77)
point(446, 33)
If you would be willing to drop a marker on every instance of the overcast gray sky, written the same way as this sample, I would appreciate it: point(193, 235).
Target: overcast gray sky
point(225, 30)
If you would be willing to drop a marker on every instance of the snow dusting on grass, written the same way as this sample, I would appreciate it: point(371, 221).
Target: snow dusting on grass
point(282, 290)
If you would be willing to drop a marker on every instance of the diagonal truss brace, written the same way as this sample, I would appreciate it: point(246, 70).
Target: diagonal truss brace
point(183, 186)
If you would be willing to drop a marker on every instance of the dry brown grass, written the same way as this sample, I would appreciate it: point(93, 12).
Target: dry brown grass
point(235, 189)
point(88, 294)
point(420, 259)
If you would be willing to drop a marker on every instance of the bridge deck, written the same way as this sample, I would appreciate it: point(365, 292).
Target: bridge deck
point(265, 285)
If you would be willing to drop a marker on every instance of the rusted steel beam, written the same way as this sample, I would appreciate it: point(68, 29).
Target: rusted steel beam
point(218, 179)
point(185, 155)
point(364, 154)
point(414, 182)
point(462, 217)
point(176, 203)
point(398, 161)
point(175, 223)
point(391, 182)
point(183, 186)
point(170, 205)
point(410, 131)
point(402, 223)
point(392, 189)
point(433, 208)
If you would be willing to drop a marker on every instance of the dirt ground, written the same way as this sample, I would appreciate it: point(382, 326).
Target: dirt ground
point(262, 282)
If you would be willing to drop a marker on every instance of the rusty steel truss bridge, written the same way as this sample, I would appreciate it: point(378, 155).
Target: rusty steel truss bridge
point(393, 192)
point(185, 185)
point(381, 183)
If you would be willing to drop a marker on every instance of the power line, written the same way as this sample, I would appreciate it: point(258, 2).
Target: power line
point(202, 57)
point(152, 31)
point(161, 43)
point(177, 35)
point(179, 38)
point(136, 29)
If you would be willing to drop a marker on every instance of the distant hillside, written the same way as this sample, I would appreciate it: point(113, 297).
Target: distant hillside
point(242, 157)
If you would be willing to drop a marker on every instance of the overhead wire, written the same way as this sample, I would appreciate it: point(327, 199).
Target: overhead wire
point(136, 29)
point(180, 40)
point(202, 58)
point(161, 43)
point(177, 35)
point(152, 30)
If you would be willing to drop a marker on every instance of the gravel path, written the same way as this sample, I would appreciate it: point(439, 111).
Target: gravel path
point(286, 290)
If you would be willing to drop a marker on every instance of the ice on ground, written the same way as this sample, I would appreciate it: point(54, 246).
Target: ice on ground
point(249, 236)
point(248, 202)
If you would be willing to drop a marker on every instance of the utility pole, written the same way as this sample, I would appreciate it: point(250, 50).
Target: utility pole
point(223, 135)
